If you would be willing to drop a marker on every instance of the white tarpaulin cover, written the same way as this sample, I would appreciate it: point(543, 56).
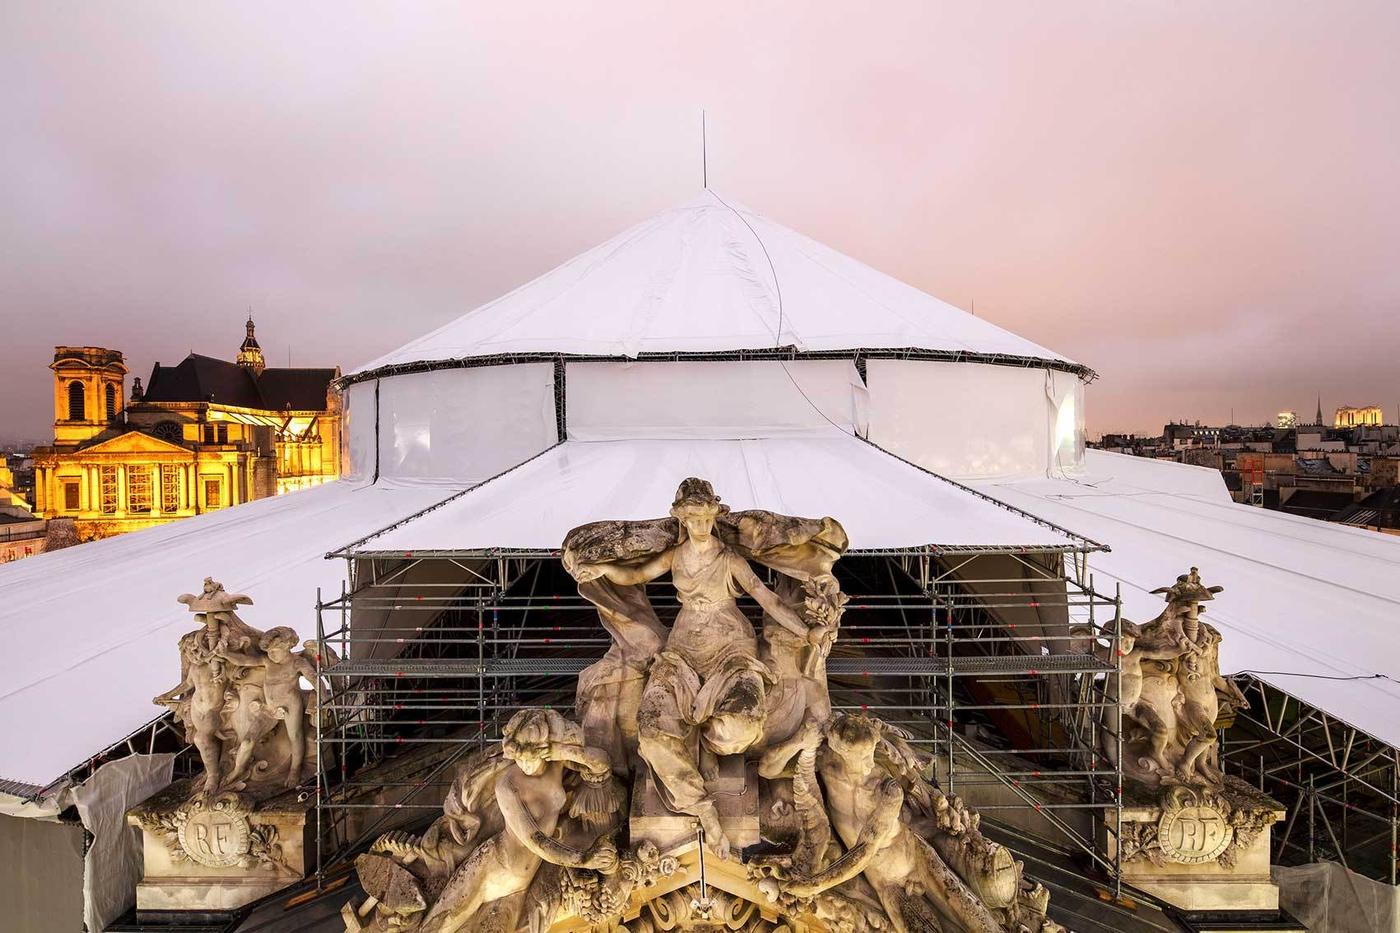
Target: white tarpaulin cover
point(90, 631)
point(1310, 607)
point(464, 423)
point(1327, 897)
point(965, 420)
point(357, 430)
point(607, 401)
point(112, 864)
point(881, 501)
point(696, 278)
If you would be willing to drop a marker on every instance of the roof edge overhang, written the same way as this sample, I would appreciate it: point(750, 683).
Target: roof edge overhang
point(1078, 543)
point(22, 790)
point(787, 353)
point(932, 550)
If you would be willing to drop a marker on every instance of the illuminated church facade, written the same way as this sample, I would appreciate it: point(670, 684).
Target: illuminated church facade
point(204, 434)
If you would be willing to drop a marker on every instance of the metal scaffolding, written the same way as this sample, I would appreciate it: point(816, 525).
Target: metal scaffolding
point(1340, 785)
point(428, 654)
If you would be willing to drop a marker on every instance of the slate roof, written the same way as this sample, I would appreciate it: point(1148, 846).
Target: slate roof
point(1316, 503)
point(1316, 466)
point(1381, 509)
point(204, 379)
point(298, 389)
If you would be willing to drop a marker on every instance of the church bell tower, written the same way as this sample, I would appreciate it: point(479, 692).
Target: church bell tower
point(250, 354)
point(87, 392)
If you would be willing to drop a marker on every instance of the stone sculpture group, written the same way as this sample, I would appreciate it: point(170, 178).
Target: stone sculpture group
point(240, 699)
point(242, 706)
point(706, 782)
point(1187, 826)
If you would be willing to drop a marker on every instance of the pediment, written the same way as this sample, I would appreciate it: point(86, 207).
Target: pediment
point(136, 442)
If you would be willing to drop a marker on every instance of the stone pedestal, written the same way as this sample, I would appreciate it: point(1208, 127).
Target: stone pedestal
point(1201, 852)
point(218, 854)
point(736, 792)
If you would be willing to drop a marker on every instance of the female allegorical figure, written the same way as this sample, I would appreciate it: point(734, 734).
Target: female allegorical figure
point(708, 681)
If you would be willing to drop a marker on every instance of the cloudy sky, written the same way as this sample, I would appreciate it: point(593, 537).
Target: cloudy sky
point(1201, 200)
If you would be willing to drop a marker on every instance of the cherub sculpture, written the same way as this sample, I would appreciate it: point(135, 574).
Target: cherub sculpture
point(503, 823)
point(1203, 692)
point(236, 685)
point(800, 694)
point(1169, 732)
point(872, 796)
point(198, 702)
point(1148, 724)
point(282, 697)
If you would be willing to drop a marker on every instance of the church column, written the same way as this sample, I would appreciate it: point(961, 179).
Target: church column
point(157, 493)
point(121, 489)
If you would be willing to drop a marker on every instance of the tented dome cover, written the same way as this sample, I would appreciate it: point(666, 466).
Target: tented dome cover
point(759, 285)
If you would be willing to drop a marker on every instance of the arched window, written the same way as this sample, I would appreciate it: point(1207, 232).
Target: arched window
point(77, 404)
point(111, 402)
point(169, 431)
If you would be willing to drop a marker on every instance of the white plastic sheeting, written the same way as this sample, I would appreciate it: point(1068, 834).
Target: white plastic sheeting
point(698, 278)
point(1327, 897)
point(112, 864)
point(357, 430)
point(1310, 607)
point(881, 501)
point(966, 420)
point(463, 423)
point(91, 631)
point(111, 860)
point(607, 401)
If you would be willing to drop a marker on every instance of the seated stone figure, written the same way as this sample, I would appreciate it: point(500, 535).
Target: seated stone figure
point(708, 684)
point(920, 851)
point(502, 825)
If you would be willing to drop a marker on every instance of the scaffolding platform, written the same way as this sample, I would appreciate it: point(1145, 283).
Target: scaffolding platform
point(439, 651)
point(1026, 665)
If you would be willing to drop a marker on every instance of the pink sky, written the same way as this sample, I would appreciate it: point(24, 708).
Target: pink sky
point(1199, 200)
